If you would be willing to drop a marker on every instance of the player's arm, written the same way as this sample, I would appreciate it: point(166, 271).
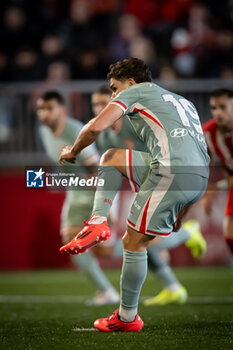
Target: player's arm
point(90, 132)
point(207, 199)
point(212, 187)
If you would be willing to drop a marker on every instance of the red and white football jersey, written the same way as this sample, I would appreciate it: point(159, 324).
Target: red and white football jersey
point(220, 144)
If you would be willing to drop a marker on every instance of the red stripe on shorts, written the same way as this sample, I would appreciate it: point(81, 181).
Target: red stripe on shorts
point(131, 171)
point(149, 231)
point(158, 233)
point(143, 222)
point(131, 223)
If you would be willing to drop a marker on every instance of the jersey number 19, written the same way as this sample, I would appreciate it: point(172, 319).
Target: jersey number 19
point(183, 108)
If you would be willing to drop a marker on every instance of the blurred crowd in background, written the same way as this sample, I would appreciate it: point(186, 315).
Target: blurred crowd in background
point(59, 40)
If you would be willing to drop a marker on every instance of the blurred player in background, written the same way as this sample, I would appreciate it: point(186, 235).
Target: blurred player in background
point(153, 213)
point(57, 130)
point(219, 138)
point(122, 135)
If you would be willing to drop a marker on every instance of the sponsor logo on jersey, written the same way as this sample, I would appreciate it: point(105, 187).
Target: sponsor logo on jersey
point(35, 178)
point(179, 132)
point(199, 137)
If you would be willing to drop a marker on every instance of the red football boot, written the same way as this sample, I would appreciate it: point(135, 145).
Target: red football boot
point(114, 324)
point(90, 235)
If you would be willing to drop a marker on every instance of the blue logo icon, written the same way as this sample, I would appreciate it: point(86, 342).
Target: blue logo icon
point(35, 178)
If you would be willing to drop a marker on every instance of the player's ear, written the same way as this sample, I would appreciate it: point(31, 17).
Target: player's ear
point(132, 81)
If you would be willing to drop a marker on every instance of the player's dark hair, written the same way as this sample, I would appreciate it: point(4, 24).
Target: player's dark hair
point(53, 95)
point(104, 90)
point(130, 68)
point(222, 92)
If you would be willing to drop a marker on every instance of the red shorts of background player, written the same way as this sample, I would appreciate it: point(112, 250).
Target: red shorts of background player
point(229, 206)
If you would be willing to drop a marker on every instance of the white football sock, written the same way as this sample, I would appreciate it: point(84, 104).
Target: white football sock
point(127, 315)
point(97, 220)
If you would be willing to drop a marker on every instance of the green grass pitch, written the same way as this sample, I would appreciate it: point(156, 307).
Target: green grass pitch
point(46, 310)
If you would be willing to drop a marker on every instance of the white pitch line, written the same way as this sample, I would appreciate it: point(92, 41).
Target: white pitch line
point(41, 299)
point(81, 299)
point(84, 329)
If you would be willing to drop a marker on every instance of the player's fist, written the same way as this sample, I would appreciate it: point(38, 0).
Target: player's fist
point(68, 155)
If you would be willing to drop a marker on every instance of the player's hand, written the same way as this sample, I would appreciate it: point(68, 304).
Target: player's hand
point(67, 155)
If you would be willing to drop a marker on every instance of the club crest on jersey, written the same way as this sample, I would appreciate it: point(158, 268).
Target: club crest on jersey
point(179, 132)
point(35, 178)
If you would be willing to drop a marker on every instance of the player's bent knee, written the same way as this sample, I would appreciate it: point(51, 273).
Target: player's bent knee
point(135, 241)
point(125, 240)
point(107, 156)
